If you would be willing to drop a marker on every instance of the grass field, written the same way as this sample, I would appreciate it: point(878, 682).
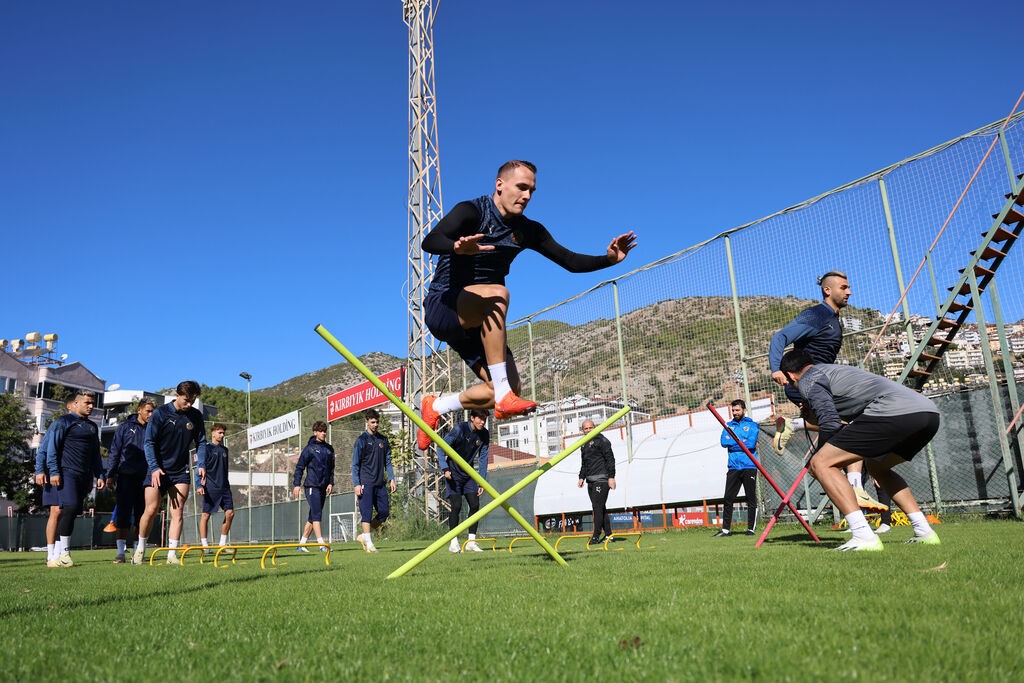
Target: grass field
point(684, 607)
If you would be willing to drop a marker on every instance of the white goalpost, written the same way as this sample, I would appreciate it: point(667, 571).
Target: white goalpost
point(342, 527)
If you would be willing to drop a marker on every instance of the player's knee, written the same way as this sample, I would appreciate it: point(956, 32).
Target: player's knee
point(229, 515)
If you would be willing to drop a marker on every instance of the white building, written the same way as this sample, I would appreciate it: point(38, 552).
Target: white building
point(542, 432)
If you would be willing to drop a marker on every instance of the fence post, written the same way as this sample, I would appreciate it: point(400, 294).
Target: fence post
point(622, 372)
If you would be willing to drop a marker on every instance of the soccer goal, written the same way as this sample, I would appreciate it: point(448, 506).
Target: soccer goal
point(342, 527)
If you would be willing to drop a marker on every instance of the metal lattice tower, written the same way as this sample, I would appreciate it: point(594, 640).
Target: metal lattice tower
point(424, 204)
point(428, 371)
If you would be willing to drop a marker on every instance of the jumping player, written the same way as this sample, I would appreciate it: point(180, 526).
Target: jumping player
point(471, 441)
point(127, 471)
point(73, 460)
point(467, 302)
point(212, 484)
point(887, 424)
point(371, 460)
point(317, 460)
point(170, 435)
point(818, 331)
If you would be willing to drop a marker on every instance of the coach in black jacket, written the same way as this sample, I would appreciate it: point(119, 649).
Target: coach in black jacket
point(597, 469)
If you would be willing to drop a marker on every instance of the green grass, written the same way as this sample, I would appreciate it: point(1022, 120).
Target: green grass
point(685, 607)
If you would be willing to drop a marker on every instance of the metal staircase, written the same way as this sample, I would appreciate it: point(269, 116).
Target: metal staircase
point(974, 278)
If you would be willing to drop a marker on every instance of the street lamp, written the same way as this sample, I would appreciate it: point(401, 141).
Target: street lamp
point(558, 365)
point(248, 454)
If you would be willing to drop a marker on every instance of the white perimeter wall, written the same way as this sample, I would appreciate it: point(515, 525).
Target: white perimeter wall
point(682, 462)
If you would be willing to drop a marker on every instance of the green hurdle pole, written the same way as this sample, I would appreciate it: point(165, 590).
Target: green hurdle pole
point(441, 443)
point(500, 500)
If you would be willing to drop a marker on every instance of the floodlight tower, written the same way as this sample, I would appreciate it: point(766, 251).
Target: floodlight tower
point(428, 372)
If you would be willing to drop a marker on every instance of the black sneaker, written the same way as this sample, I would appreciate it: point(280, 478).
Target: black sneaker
point(750, 532)
point(594, 541)
point(723, 532)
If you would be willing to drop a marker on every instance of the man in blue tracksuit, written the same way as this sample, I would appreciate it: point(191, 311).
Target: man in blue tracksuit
point(371, 460)
point(126, 469)
point(470, 440)
point(73, 460)
point(317, 461)
point(741, 468)
point(212, 484)
point(171, 433)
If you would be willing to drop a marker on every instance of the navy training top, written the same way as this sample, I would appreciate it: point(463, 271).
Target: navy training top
point(128, 449)
point(214, 459)
point(74, 446)
point(170, 434)
point(317, 460)
point(817, 330)
point(471, 445)
point(509, 235)
point(371, 456)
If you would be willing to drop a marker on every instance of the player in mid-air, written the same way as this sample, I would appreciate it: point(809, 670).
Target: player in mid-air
point(466, 305)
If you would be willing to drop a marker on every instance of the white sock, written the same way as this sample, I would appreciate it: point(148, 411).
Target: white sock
point(223, 539)
point(121, 545)
point(447, 403)
point(369, 539)
point(141, 545)
point(858, 524)
point(499, 378)
point(797, 423)
point(65, 545)
point(303, 539)
point(920, 523)
point(50, 550)
point(855, 479)
point(172, 543)
point(472, 537)
point(320, 539)
point(205, 542)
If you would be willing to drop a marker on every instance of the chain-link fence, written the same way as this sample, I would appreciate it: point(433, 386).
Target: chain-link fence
point(695, 326)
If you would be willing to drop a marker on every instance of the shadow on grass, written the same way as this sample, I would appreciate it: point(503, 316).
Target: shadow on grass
point(797, 537)
point(101, 601)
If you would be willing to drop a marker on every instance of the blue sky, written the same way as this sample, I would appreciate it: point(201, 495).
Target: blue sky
point(188, 188)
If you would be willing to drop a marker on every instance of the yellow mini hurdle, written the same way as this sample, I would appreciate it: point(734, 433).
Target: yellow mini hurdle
point(272, 551)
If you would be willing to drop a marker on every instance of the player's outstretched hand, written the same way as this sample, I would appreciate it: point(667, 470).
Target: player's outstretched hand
point(780, 378)
point(620, 246)
point(470, 244)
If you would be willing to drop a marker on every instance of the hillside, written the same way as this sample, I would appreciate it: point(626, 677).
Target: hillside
point(679, 352)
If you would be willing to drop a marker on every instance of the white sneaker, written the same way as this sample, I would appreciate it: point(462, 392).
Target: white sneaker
point(139, 556)
point(472, 546)
point(883, 529)
point(173, 559)
point(871, 545)
point(65, 560)
point(783, 433)
point(930, 539)
point(370, 547)
point(454, 546)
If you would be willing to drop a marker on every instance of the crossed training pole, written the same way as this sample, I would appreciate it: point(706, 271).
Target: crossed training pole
point(757, 463)
point(499, 499)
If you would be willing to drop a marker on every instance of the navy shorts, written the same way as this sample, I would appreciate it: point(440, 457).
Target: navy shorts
point(457, 487)
point(74, 487)
point(316, 496)
point(875, 437)
point(131, 499)
point(442, 318)
point(374, 497)
point(169, 479)
point(51, 496)
point(212, 500)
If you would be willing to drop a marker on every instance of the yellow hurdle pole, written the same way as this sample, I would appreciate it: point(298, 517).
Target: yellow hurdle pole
point(523, 483)
point(441, 443)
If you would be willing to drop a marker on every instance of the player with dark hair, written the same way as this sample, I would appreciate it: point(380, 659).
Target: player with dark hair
point(73, 460)
point(171, 433)
point(467, 303)
point(317, 461)
point(741, 470)
point(371, 461)
point(471, 441)
point(126, 470)
point(819, 332)
point(50, 495)
point(886, 425)
point(212, 460)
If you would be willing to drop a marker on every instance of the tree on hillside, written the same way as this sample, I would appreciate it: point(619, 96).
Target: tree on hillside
point(16, 463)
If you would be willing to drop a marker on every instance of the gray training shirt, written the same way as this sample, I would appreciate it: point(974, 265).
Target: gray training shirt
point(843, 392)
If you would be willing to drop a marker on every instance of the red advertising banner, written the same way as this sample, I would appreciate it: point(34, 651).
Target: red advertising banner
point(363, 396)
